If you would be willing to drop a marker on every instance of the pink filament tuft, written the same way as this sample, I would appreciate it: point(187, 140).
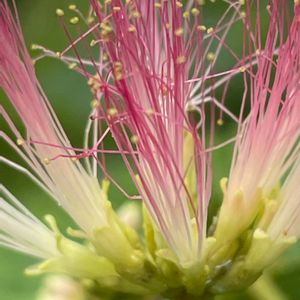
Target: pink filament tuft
point(150, 65)
point(66, 180)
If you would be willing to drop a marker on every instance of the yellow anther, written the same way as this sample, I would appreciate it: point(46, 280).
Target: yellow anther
point(116, 8)
point(106, 27)
point(72, 66)
point(179, 4)
point(210, 30)
point(94, 83)
point(90, 19)
point(243, 14)
point(72, 7)
point(46, 161)
point(112, 111)
point(118, 65)
point(210, 56)
point(201, 28)
point(201, 2)
point(220, 122)
point(181, 59)
point(179, 31)
point(242, 69)
point(106, 30)
point(149, 112)
point(157, 5)
point(134, 139)
point(35, 47)
point(74, 20)
point(104, 56)
point(186, 14)
point(59, 12)
point(195, 11)
point(105, 35)
point(93, 43)
point(20, 142)
point(95, 103)
point(136, 14)
point(58, 54)
point(131, 28)
point(118, 75)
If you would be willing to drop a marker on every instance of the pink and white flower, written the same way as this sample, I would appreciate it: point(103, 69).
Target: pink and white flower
point(154, 86)
point(265, 167)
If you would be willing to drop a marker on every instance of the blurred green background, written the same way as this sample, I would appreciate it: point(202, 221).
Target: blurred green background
point(70, 97)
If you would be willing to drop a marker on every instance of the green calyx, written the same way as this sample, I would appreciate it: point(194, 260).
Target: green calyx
point(115, 260)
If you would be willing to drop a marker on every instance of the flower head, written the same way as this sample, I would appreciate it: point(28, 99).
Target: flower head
point(265, 162)
point(155, 89)
point(146, 113)
point(46, 145)
point(65, 179)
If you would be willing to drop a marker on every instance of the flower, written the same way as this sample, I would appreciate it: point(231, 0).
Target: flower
point(154, 86)
point(76, 190)
point(265, 166)
point(150, 70)
point(261, 198)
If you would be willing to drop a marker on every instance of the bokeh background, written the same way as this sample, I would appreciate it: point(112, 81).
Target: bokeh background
point(70, 97)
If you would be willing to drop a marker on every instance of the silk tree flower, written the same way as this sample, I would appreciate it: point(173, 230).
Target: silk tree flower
point(150, 69)
point(265, 166)
point(77, 191)
point(154, 84)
